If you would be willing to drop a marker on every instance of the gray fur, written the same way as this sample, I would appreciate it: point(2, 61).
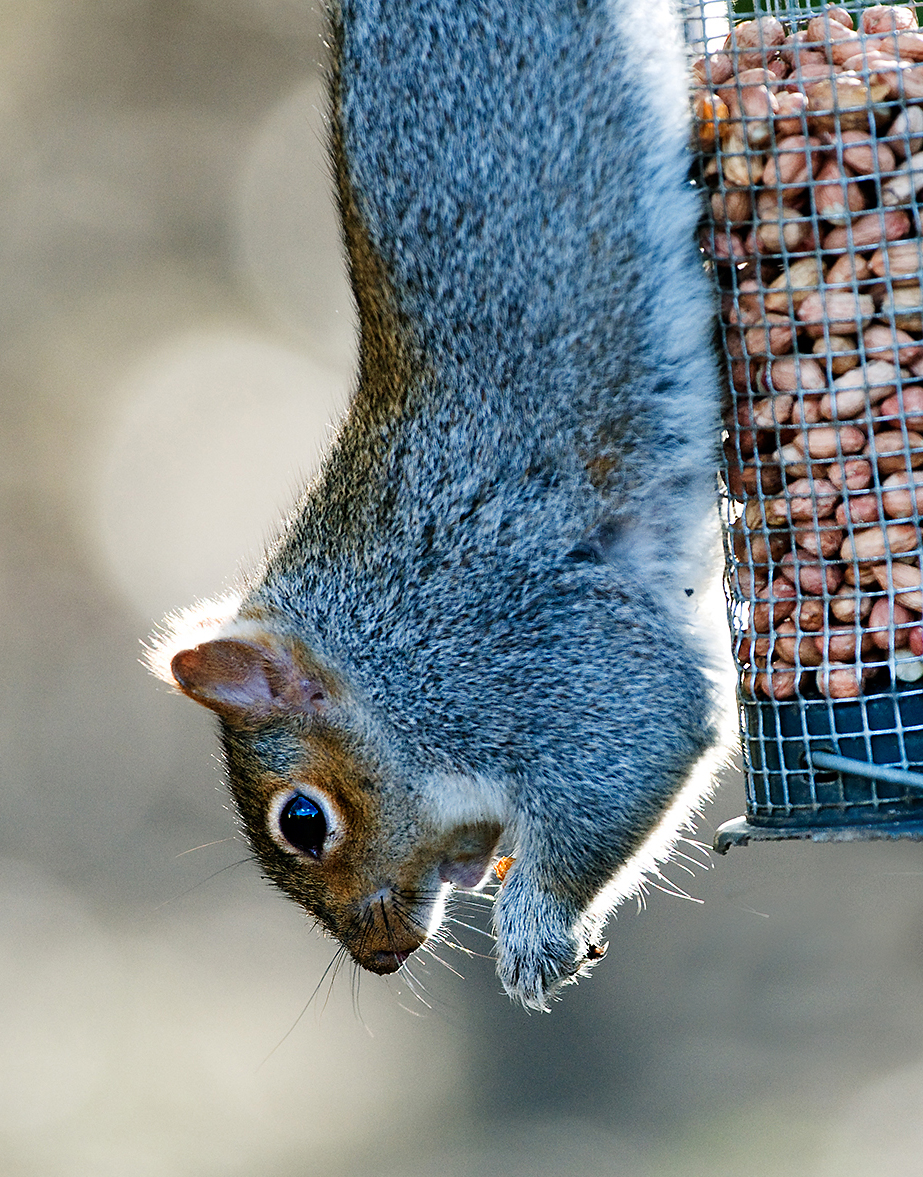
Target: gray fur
point(495, 556)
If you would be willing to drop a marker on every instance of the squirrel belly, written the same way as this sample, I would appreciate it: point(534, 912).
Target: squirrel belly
point(475, 626)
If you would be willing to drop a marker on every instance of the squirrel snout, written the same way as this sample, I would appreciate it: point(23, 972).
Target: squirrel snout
point(398, 917)
point(392, 926)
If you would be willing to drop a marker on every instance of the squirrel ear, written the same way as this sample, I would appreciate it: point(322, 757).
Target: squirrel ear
point(243, 681)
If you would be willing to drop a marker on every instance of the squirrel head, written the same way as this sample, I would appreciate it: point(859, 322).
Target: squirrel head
point(336, 822)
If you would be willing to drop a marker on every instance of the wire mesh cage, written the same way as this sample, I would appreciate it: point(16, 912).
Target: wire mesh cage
point(809, 125)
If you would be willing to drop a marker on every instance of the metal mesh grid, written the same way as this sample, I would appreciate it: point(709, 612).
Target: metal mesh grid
point(809, 126)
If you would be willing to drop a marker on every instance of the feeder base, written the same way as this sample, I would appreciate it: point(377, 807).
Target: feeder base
point(739, 832)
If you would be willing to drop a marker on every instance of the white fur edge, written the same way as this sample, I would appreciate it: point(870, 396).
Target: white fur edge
point(202, 622)
point(678, 819)
point(455, 799)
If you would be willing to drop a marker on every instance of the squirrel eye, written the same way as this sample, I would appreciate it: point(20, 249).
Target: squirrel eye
point(303, 825)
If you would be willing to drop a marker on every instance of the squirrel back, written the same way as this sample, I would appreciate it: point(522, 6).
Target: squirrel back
point(476, 625)
point(521, 240)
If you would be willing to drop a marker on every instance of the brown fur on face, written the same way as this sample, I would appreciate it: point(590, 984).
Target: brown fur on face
point(379, 892)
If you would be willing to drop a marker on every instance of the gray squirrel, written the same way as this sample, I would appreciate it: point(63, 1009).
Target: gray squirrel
point(477, 626)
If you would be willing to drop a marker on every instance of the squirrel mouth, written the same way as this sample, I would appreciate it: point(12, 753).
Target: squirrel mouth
point(385, 962)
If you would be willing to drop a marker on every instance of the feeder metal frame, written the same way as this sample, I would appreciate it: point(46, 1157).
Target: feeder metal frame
point(816, 768)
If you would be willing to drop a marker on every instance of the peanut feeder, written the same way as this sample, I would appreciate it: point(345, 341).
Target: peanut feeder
point(809, 134)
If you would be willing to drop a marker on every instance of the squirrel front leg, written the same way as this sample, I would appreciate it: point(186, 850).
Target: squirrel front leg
point(577, 860)
point(545, 916)
point(541, 941)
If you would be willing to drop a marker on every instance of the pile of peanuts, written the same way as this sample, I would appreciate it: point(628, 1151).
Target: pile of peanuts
point(810, 142)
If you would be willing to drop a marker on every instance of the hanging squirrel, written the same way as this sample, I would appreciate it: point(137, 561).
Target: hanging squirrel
point(477, 628)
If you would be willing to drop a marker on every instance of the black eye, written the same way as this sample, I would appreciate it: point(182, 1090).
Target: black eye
point(303, 825)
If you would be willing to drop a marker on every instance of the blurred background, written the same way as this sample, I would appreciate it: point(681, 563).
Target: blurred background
point(177, 339)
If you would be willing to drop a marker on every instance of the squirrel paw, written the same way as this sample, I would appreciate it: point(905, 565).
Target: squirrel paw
point(541, 944)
